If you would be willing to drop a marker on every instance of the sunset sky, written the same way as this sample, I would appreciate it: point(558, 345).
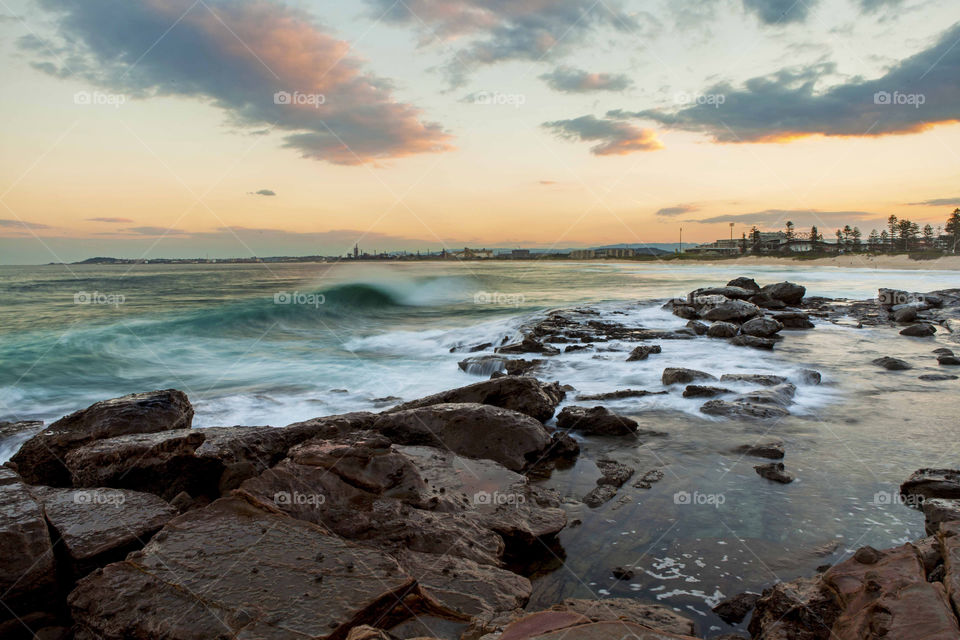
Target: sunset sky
point(161, 128)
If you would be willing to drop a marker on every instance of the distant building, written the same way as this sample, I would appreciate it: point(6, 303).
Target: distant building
point(583, 254)
point(473, 254)
point(520, 254)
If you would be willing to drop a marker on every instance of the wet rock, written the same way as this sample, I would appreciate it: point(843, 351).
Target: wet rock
point(369, 464)
point(905, 315)
point(949, 543)
point(242, 571)
point(802, 609)
point(733, 610)
point(608, 610)
point(648, 479)
point(697, 327)
point(366, 632)
point(932, 483)
point(774, 471)
point(613, 473)
point(937, 377)
point(98, 526)
point(570, 348)
point(786, 292)
point(10, 432)
point(731, 292)
point(673, 375)
point(622, 573)
point(701, 391)
point(687, 312)
point(745, 283)
point(621, 394)
point(943, 351)
point(536, 624)
point(763, 379)
point(761, 327)
point(735, 310)
point(27, 572)
point(643, 352)
point(595, 420)
point(753, 341)
point(809, 376)
point(743, 410)
point(599, 495)
point(722, 330)
point(610, 631)
point(766, 301)
point(39, 459)
point(471, 430)
point(949, 361)
point(769, 450)
point(892, 364)
point(919, 330)
point(516, 393)
point(780, 396)
point(794, 320)
point(563, 446)
point(528, 344)
point(938, 510)
point(888, 596)
point(893, 297)
point(488, 365)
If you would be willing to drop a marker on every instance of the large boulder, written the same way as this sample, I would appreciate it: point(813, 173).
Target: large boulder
point(743, 409)
point(799, 610)
point(27, 572)
point(919, 330)
point(655, 616)
point(763, 379)
point(932, 483)
point(732, 310)
point(528, 344)
point(643, 352)
point(939, 510)
point(39, 460)
point(761, 327)
point(722, 330)
point(744, 283)
point(753, 341)
point(473, 430)
point(786, 292)
point(892, 364)
point(595, 420)
point(731, 292)
point(232, 569)
point(676, 375)
point(948, 538)
point(517, 393)
point(794, 320)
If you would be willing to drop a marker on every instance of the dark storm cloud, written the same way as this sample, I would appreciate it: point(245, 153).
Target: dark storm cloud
point(570, 80)
point(262, 62)
point(614, 137)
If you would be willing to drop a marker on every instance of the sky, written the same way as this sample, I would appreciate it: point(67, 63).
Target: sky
point(232, 128)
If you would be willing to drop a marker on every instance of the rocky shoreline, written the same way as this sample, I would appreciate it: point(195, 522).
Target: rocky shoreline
point(123, 521)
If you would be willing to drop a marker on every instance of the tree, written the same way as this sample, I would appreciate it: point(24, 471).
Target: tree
point(953, 229)
point(928, 236)
point(884, 239)
point(815, 235)
point(856, 235)
point(908, 232)
point(847, 233)
point(839, 237)
point(755, 239)
point(790, 234)
point(893, 227)
point(873, 240)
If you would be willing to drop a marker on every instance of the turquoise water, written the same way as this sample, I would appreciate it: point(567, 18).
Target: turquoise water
point(257, 344)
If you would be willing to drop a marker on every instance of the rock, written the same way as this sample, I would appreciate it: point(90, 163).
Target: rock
point(652, 616)
point(39, 459)
point(753, 341)
point(736, 310)
point(701, 391)
point(733, 610)
point(609, 631)
point(743, 410)
point(708, 293)
point(892, 364)
point(893, 297)
point(794, 320)
point(599, 495)
point(595, 420)
point(648, 479)
point(99, 526)
point(643, 351)
point(780, 396)
point(673, 375)
point(697, 327)
point(614, 473)
point(27, 572)
point(885, 594)
point(239, 570)
point(919, 330)
point(722, 330)
point(563, 446)
point(774, 471)
point(770, 450)
point(809, 376)
point(620, 573)
point(528, 344)
point(802, 609)
point(763, 379)
point(766, 301)
point(948, 361)
point(936, 377)
point(471, 430)
point(786, 292)
point(535, 624)
point(905, 315)
point(761, 327)
point(366, 632)
point(685, 311)
point(745, 283)
point(932, 483)
point(621, 394)
point(577, 347)
point(943, 351)
point(938, 510)
point(516, 393)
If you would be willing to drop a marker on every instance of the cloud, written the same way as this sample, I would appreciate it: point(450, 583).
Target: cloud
point(772, 12)
point(616, 138)
point(570, 80)
point(155, 231)
point(777, 218)
point(264, 192)
point(260, 61)
point(548, 183)
point(938, 202)
point(502, 30)
point(872, 6)
point(110, 220)
point(22, 224)
point(680, 209)
point(917, 93)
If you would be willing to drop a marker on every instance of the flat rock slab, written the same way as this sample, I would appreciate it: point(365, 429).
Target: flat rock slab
point(26, 555)
point(516, 393)
point(628, 610)
point(932, 483)
point(609, 631)
point(233, 570)
point(542, 622)
point(92, 523)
